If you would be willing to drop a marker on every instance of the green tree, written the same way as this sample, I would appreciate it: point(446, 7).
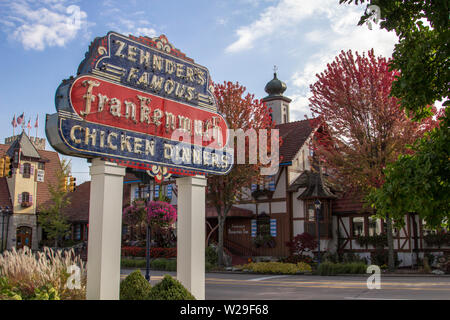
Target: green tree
point(418, 181)
point(51, 216)
point(422, 53)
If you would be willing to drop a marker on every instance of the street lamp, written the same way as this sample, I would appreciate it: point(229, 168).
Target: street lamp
point(317, 205)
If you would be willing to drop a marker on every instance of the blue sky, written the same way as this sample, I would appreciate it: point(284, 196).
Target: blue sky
point(237, 40)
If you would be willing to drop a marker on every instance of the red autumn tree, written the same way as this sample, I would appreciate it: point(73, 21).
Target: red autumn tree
point(241, 112)
point(364, 126)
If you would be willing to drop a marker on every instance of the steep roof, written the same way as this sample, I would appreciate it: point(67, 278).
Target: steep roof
point(315, 184)
point(26, 147)
point(5, 198)
point(294, 135)
point(52, 165)
point(78, 210)
point(349, 203)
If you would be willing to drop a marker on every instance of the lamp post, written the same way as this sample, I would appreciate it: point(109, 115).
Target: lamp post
point(5, 213)
point(317, 205)
point(147, 254)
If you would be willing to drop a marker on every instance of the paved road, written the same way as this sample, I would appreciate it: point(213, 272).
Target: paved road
point(306, 287)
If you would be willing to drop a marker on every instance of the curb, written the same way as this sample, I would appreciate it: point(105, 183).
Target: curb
point(362, 275)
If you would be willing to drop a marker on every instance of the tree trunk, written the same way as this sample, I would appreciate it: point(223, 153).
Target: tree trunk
point(390, 240)
point(221, 223)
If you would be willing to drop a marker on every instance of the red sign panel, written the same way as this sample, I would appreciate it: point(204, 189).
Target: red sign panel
point(107, 103)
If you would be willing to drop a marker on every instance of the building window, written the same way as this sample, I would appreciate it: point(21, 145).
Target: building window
point(41, 166)
point(25, 197)
point(374, 226)
point(324, 217)
point(358, 226)
point(77, 232)
point(26, 170)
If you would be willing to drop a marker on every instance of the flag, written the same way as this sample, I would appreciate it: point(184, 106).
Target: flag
point(36, 124)
point(29, 124)
point(14, 122)
point(20, 119)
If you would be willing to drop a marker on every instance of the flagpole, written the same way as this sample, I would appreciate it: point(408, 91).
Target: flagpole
point(36, 125)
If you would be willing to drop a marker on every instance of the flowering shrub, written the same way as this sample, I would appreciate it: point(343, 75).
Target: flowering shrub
point(154, 252)
point(135, 214)
point(40, 275)
point(161, 213)
point(302, 244)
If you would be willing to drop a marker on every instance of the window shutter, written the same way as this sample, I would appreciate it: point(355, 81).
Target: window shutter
point(169, 191)
point(157, 191)
point(253, 227)
point(31, 170)
point(20, 198)
point(272, 183)
point(31, 198)
point(21, 169)
point(273, 227)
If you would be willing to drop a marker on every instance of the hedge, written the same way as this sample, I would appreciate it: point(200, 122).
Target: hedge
point(277, 267)
point(154, 252)
point(330, 269)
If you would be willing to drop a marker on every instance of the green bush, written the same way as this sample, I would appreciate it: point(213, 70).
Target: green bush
point(170, 289)
point(163, 264)
point(135, 287)
point(330, 268)
point(133, 263)
point(211, 255)
point(277, 267)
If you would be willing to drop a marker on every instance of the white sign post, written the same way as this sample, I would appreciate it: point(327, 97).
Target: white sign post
point(105, 230)
point(191, 234)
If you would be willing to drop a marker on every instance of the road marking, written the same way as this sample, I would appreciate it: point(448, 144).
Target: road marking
point(360, 298)
point(266, 278)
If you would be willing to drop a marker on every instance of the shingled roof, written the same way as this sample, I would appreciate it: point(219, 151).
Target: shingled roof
point(294, 135)
point(350, 202)
point(26, 147)
point(316, 186)
point(78, 210)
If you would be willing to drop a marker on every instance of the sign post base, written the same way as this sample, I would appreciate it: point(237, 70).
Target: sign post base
point(105, 230)
point(191, 234)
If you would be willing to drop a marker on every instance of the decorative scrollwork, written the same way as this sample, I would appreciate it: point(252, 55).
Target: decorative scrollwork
point(159, 173)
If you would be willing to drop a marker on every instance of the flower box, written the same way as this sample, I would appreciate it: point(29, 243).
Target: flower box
point(26, 204)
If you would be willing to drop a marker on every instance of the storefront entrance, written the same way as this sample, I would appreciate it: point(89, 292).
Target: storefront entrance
point(23, 237)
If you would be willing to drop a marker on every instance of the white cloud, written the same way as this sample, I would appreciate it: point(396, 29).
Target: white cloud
point(134, 27)
point(328, 39)
point(38, 24)
point(274, 19)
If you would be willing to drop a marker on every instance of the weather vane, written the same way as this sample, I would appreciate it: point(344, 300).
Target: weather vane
point(275, 69)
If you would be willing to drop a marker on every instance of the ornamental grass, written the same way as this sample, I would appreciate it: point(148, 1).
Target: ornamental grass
point(28, 272)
